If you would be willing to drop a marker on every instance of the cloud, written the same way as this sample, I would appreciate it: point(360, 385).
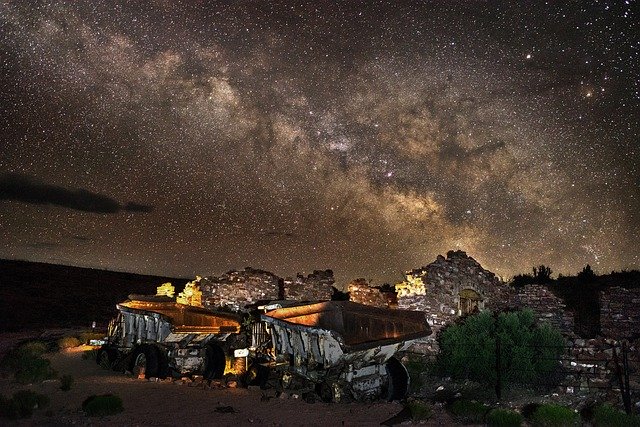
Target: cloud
point(23, 188)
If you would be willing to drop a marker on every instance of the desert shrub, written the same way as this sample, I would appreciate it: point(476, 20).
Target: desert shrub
point(12, 359)
point(34, 370)
point(66, 381)
point(554, 415)
point(529, 409)
point(8, 408)
point(469, 411)
point(90, 354)
point(27, 364)
point(504, 418)
point(68, 342)
point(22, 404)
point(102, 405)
point(419, 410)
point(528, 352)
point(608, 416)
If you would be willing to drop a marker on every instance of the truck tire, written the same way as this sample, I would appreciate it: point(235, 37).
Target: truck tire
point(215, 362)
point(145, 360)
point(398, 380)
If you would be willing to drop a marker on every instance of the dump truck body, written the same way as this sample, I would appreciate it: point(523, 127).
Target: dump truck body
point(175, 338)
point(345, 347)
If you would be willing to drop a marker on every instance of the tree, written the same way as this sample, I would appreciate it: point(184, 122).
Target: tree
point(521, 280)
point(529, 353)
point(586, 274)
point(542, 274)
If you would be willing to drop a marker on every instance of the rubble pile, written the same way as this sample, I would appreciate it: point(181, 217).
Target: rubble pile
point(317, 286)
point(360, 292)
point(546, 307)
point(620, 312)
point(237, 289)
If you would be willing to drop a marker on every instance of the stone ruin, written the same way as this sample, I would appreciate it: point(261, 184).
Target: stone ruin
point(317, 286)
point(451, 287)
point(546, 307)
point(360, 292)
point(620, 313)
point(237, 289)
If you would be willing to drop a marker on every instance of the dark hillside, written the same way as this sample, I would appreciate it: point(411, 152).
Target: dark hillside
point(38, 295)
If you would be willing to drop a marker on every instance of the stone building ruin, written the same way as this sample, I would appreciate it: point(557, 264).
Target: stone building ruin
point(451, 287)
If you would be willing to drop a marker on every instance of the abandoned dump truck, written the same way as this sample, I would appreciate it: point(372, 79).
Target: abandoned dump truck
point(153, 336)
point(340, 349)
point(345, 349)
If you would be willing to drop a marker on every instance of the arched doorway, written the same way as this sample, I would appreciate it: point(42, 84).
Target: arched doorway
point(470, 302)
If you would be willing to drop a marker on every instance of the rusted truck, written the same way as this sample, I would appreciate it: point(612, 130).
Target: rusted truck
point(339, 349)
point(153, 336)
point(345, 349)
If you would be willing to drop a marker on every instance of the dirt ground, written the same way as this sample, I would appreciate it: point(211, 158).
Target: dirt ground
point(169, 403)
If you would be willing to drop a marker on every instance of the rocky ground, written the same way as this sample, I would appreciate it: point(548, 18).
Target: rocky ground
point(186, 403)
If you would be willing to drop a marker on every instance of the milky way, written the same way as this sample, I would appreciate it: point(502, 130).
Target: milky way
point(197, 137)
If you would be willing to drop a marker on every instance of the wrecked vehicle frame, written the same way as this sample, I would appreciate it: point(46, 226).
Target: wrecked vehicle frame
point(343, 350)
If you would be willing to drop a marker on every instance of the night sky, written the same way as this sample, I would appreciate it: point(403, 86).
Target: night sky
point(184, 138)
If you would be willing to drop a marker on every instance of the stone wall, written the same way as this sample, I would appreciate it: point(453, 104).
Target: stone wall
point(238, 289)
point(439, 288)
point(620, 313)
point(546, 307)
point(317, 286)
point(592, 366)
point(448, 288)
point(360, 292)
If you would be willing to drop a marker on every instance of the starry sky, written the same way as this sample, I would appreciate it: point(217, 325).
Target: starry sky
point(194, 137)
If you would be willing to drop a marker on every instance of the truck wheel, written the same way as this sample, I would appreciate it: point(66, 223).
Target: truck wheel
point(331, 392)
point(398, 380)
point(214, 363)
point(145, 361)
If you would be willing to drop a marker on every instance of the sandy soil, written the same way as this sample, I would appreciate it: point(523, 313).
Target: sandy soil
point(169, 403)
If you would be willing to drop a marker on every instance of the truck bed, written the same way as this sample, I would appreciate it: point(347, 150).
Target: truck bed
point(183, 318)
point(354, 325)
point(338, 333)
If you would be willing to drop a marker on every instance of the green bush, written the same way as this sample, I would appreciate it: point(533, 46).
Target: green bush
point(27, 364)
point(469, 411)
point(34, 370)
point(103, 405)
point(13, 359)
point(554, 415)
point(22, 404)
point(90, 354)
point(419, 410)
point(68, 342)
point(608, 416)
point(66, 381)
point(504, 418)
point(8, 408)
point(528, 353)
